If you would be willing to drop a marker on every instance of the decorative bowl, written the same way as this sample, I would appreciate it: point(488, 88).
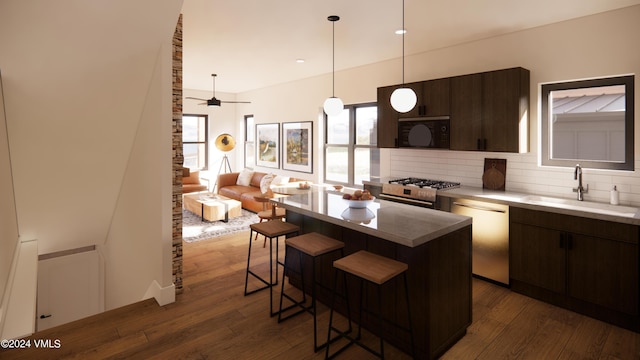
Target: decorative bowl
point(359, 204)
point(359, 216)
point(304, 186)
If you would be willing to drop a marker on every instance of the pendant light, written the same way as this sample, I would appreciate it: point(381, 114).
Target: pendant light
point(403, 99)
point(333, 106)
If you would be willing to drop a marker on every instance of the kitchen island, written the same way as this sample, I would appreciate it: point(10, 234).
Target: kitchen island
point(436, 245)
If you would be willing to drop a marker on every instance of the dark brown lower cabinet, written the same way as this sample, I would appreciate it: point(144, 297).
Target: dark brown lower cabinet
point(586, 265)
point(439, 278)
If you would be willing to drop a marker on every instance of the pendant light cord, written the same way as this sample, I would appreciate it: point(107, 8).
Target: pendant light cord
point(404, 31)
point(213, 81)
point(333, 79)
point(333, 106)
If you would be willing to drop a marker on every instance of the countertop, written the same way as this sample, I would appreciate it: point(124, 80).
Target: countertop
point(587, 209)
point(403, 224)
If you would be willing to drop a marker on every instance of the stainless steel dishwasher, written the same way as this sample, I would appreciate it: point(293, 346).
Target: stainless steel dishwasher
point(490, 243)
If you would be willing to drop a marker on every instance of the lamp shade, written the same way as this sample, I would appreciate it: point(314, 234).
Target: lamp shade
point(333, 106)
point(225, 142)
point(403, 99)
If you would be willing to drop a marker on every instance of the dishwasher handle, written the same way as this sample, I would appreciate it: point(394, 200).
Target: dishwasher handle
point(477, 207)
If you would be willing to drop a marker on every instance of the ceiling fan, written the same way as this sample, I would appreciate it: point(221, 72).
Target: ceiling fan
point(215, 101)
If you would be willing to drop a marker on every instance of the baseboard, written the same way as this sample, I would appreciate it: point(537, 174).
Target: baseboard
point(163, 295)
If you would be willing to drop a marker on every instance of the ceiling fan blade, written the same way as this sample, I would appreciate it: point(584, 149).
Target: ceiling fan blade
point(214, 101)
point(236, 102)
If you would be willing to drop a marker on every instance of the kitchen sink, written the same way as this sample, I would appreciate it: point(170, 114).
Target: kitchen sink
point(589, 206)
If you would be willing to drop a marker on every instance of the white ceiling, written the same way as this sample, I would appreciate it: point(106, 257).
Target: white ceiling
point(253, 44)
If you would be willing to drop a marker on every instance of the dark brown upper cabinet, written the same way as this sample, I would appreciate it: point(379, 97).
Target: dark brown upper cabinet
point(490, 111)
point(387, 119)
point(433, 100)
point(466, 112)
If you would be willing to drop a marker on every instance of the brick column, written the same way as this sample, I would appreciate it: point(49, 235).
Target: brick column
point(178, 157)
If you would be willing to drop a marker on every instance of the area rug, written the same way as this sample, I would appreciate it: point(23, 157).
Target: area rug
point(194, 229)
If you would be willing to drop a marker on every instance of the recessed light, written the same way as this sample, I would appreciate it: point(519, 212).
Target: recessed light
point(299, 61)
point(401, 31)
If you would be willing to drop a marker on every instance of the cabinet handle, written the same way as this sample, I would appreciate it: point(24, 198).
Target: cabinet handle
point(481, 144)
point(477, 207)
point(43, 316)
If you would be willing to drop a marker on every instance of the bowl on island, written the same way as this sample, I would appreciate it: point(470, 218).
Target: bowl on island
point(359, 203)
point(359, 199)
point(304, 186)
point(358, 216)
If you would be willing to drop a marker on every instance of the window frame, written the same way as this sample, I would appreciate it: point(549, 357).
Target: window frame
point(351, 145)
point(545, 151)
point(249, 144)
point(205, 142)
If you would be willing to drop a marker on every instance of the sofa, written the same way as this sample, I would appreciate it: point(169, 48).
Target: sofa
point(228, 186)
point(191, 181)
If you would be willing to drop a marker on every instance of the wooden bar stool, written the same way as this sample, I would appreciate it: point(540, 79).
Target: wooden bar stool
point(314, 246)
point(270, 230)
point(376, 270)
point(275, 213)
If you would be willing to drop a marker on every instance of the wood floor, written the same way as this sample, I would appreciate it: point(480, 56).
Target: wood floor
point(213, 320)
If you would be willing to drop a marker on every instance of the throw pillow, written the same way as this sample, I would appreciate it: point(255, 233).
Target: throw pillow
point(244, 178)
point(265, 183)
point(280, 180)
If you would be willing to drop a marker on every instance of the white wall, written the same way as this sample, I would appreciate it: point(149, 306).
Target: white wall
point(138, 246)
point(87, 97)
point(8, 219)
point(598, 45)
point(291, 102)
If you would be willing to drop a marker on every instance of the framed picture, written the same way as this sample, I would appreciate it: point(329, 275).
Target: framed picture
point(268, 145)
point(297, 149)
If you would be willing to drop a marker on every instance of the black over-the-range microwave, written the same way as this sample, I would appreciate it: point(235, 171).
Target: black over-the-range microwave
point(424, 132)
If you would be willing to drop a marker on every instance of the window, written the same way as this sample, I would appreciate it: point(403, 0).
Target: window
point(351, 152)
point(588, 122)
point(249, 142)
point(195, 142)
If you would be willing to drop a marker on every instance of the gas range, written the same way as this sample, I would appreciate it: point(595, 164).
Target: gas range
point(415, 191)
point(436, 184)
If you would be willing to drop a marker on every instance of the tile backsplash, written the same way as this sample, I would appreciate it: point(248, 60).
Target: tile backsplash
point(523, 174)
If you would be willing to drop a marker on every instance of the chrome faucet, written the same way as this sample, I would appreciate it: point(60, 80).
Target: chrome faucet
point(577, 175)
